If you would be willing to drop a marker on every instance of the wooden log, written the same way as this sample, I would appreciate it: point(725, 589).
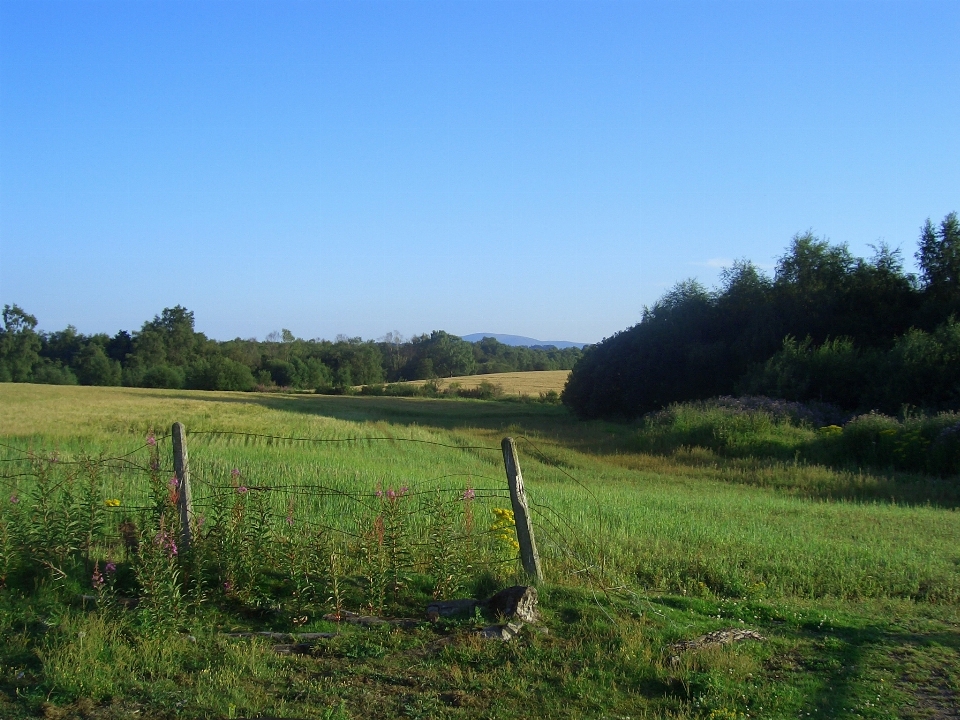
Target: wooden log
point(529, 556)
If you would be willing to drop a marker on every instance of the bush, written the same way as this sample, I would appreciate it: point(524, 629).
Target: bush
point(484, 391)
point(219, 373)
point(834, 371)
point(727, 426)
point(918, 443)
point(944, 455)
point(53, 373)
point(162, 376)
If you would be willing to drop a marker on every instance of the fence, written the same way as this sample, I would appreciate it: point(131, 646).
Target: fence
point(230, 530)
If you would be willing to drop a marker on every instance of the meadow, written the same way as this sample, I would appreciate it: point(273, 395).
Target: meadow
point(652, 534)
point(532, 383)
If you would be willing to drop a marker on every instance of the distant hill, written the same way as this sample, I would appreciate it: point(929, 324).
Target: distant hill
point(519, 340)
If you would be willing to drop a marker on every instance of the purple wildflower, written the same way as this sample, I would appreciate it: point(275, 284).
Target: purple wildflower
point(468, 494)
point(110, 568)
point(235, 472)
point(151, 440)
point(404, 490)
point(242, 489)
point(174, 483)
point(379, 492)
point(14, 499)
point(391, 494)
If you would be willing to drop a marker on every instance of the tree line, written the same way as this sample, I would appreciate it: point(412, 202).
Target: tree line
point(168, 352)
point(863, 334)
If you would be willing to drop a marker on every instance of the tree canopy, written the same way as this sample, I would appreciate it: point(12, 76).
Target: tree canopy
point(167, 351)
point(827, 326)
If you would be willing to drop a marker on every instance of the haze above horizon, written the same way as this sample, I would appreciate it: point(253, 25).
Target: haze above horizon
point(542, 169)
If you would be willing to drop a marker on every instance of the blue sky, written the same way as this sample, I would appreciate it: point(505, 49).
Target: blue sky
point(542, 169)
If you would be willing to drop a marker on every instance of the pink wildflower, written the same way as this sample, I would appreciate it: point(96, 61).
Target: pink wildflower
point(242, 489)
point(174, 483)
point(151, 440)
point(235, 472)
point(379, 492)
point(97, 578)
point(391, 494)
point(165, 541)
point(404, 490)
point(468, 494)
point(14, 499)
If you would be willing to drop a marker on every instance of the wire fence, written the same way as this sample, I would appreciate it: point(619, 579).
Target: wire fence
point(394, 522)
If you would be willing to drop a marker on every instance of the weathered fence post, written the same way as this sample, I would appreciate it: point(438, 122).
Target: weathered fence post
point(181, 469)
point(521, 513)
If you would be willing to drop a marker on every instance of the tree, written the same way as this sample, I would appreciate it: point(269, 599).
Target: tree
point(939, 254)
point(95, 368)
point(168, 339)
point(19, 345)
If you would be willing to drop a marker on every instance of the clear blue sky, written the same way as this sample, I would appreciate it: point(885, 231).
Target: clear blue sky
point(543, 169)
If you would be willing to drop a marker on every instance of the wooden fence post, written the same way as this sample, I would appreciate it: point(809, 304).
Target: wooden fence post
point(181, 469)
point(529, 556)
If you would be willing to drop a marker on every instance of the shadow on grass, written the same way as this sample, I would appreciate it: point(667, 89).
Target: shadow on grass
point(840, 666)
point(844, 652)
point(551, 426)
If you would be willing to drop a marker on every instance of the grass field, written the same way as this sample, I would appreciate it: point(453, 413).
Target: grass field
point(852, 577)
point(513, 383)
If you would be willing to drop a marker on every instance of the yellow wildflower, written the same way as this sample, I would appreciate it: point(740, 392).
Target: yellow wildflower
point(503, 527)
point(112, 502)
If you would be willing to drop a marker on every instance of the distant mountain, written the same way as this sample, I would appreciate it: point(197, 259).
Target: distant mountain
point(519, 340)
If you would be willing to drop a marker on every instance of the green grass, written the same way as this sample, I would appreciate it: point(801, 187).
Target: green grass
point(852, 575)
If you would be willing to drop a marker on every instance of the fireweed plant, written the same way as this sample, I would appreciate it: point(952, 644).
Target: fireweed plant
point(74, 524)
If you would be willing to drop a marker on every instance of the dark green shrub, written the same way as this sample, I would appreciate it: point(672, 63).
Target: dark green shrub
point(871, 439)
point(219, 373)
point(944, 453)
point(484, 391)
point(162, 376)
point(550, 397)
point(735, 427)
point(53, 373)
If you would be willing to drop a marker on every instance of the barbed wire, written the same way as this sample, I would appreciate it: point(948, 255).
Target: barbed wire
point(559, 535)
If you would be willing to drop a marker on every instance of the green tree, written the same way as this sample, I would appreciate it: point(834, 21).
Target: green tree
point(93, 367)
point(19, 345)
point(939, 254)
point(168, 339)
point(448, 354)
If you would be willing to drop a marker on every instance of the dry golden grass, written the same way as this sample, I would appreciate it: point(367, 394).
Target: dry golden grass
point(523, 383)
